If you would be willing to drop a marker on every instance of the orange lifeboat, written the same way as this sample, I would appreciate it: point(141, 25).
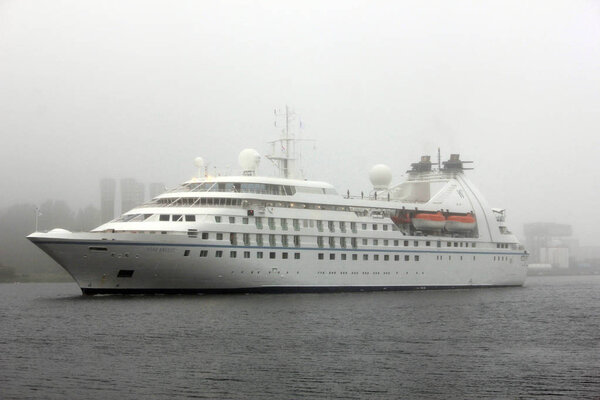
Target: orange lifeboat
point(429, 222)
point(460, 223)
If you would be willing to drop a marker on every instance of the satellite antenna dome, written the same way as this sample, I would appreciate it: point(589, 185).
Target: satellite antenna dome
point(249, 160)
point(380, 176)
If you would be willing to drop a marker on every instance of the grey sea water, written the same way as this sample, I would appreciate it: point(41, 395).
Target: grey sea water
point(539, 341)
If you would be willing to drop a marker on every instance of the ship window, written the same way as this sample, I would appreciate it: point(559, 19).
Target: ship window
point(374, 227)
point(364, 227)
point(386, 257)
point(296, 256)
point(385, 227)
point(320, 241)
point(125, 273)
point(259, 239)
point(320, 256)
point(272, 255)
point(203, 253)
point(233, 238)
point(343, 242)
point(204, 235)
point(217, 218)
point(284, 240)
point(428, 243)
point(332, 256)
point(439, 243)
point(232, 220)
point(375, 242)
point(305, 223)
point(342, 226)
point(416, 258)
point(461, 244)
point(245, 220)
point(386, 242)
point(246, 238)
point(353, 226)
point(297, 241)
point(353, 242)
point(284, 224)
point(406, 257)
point(246, 254)
point(396, 257)
point(406, 243)
point(473, 244)
point(376, 257)
point(258, 221)
point(284, 256)
point(365, 257)
point(331, 242)
point(396, 242)
point(320, 225)
point(296, 224)
point(271, 223)
point(190, 218)
point(354, 257)
point(272, 240)
point(163, 217)
point(259, 254)
point(311, 223)
point(455, 244)
point(364, 242)
point(416, 243)
point(219, 236)
point(219, 253)
point(186, 253)
point(233, 254)
point(176, 218)
point(449, 244)
point(97, 248)
point(330, 226)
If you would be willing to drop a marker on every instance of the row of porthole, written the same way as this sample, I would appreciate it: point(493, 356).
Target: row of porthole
point(365, 273)
point(365, 257)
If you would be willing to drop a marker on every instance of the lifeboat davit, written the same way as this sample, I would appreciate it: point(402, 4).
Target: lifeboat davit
point(429, 222)
point(460, 223)
point(401, 219)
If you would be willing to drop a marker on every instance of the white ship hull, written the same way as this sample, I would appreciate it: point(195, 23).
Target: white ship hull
point(142, 265)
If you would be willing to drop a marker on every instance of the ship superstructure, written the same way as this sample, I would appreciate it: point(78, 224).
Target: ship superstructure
point(250, 233)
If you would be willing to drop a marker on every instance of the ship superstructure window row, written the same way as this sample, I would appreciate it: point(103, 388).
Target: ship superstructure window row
point(249, 187)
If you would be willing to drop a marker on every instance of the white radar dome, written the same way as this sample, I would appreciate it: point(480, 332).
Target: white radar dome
point(380, 176)
point(199, 162)
point(249, 159)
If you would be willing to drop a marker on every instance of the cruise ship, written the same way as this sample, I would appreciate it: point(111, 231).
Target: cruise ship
point(250, 233)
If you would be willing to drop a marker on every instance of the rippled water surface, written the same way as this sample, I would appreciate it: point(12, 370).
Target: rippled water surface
point(542, 341)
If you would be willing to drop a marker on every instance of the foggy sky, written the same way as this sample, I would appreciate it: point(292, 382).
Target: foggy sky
point(93, 89)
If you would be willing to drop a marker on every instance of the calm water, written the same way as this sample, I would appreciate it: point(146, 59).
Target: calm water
point(541, 341)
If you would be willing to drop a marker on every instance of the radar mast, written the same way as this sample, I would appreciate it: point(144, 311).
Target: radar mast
point(283, 153)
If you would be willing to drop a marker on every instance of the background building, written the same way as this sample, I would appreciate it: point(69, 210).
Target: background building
point(154, 189)
point(107, 199)
point(548, 243)
point(132, 194)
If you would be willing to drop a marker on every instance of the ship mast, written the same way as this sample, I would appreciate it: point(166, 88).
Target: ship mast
point(284, 155)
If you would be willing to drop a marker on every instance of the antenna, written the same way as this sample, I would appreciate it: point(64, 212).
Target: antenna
point(283, 155)
point(439, 160)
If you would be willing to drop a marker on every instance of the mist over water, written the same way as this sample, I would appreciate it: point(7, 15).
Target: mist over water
point(540, 341)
